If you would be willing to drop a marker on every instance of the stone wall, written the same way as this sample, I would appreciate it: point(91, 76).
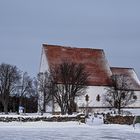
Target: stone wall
point(118, 119)
point(79, 118)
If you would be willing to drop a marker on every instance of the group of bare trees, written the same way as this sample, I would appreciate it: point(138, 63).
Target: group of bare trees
point(120, 94)
point(24, 87)
point(9, 76)
point(62, 84)
point(44, 89)
point(14, 83)
point(66, 81)
point(73, 81)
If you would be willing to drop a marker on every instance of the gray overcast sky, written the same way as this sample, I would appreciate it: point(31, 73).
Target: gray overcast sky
point(113, 25)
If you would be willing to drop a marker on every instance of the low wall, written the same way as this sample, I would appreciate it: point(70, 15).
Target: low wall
point(80, 118)
point(118, 119)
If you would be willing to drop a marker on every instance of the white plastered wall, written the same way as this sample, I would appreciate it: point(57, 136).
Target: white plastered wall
point(43, 63)
point(93, 91)
point(137, 103)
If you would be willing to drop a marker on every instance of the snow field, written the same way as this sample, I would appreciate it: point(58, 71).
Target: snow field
point(67, 130)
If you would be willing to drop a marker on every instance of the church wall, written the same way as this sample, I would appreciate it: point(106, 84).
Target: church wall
point(43, 64)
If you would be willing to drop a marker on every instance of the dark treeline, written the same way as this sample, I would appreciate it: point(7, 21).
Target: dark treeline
point(30, 105)
point(17, 89)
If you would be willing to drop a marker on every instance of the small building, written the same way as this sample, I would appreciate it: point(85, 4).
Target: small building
point(97, 65)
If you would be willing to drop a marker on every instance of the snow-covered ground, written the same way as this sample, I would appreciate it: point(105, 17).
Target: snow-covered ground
point(93, 130)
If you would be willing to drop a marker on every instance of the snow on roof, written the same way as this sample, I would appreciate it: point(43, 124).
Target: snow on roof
point(134, 81)
point(93, 59)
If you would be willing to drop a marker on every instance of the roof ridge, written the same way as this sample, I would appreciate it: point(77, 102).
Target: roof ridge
point(71, 47)
point(121, 68)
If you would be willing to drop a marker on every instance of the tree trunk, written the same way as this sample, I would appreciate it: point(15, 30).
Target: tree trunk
point(63, 110)
point(70, 108)
point(14, 106)
point(20, 101)
point(119, 109)
point(53, 106)
point(5, 108)
point(44, 102)
point(44, 107)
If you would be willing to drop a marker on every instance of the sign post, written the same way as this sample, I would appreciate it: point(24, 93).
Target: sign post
point(21, 110)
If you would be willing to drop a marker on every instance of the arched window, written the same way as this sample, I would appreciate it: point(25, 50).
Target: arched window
point(98, 98)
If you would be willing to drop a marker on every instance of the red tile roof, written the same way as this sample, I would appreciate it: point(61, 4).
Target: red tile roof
point(93, 59)
point(134, 82)
point(95, 63)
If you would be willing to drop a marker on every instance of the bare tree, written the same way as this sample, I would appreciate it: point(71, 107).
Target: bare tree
point(43, 89)
point(24, 88)
point(70, 81)
point(9, 76)
point(119, 95)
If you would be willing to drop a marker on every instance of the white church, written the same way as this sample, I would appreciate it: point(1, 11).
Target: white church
point(100, 71)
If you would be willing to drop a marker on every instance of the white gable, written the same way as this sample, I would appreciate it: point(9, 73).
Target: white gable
point(44, 63)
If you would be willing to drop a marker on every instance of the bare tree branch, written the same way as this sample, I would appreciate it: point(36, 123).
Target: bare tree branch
point(9, 77)
point(71, 81)
point(24, 87)
point(119, 95)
